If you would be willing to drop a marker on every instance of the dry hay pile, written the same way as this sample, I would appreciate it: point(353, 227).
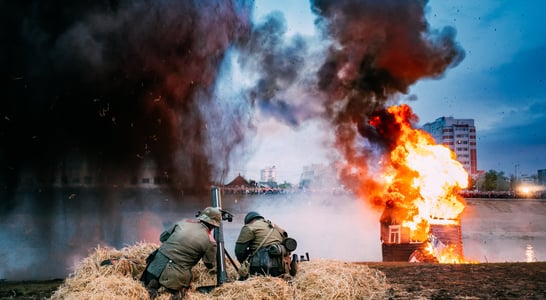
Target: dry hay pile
point(91, 280)
point(331, 279)
point(316, 279)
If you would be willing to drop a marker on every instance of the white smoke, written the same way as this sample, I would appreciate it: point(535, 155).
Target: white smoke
point(333, 226)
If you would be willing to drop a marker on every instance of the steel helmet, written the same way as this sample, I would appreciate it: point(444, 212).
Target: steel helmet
point(251, 216)
point(212, 216)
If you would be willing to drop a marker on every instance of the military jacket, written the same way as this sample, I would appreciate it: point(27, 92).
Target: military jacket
point(255, 232)
point(190, 241)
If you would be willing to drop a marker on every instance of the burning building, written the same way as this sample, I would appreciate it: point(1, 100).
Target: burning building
point(399, 169)
point(422, 207)
point(398, 243)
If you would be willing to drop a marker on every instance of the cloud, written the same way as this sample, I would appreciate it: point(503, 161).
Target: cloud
point(519, 138)
point(523, 78)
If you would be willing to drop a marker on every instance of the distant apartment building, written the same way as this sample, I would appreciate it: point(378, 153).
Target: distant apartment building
point(541, 177)
point(268, 174)
point(527, 179)
point(311, 174)
point(460, 136)
point(75, 172)
point(319, 176)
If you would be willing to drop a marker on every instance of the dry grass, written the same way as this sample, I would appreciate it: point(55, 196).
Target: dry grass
point(329, 279)
point(316, 279)
point(93, 281)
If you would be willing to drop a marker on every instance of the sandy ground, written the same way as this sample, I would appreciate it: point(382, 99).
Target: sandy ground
point(408, 281)
point(466, 281)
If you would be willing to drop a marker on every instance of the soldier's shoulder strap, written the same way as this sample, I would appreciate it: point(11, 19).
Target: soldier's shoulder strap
point(261, 244)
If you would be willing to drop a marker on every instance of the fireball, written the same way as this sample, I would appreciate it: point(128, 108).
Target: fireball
point(421, 183)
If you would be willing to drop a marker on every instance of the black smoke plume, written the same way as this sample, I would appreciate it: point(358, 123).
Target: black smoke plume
point(279, 64)
point(379, 49)
point(113, 84)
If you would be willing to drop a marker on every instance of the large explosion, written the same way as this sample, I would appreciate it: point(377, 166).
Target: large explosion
point(383, 47)
point(420, 183)
point(117, 85)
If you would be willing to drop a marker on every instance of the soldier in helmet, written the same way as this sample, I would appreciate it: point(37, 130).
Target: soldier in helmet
point(183, 245)
point(262, 243)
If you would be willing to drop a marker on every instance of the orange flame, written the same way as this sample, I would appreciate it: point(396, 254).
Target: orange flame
point(421, 180)
point(447, 254)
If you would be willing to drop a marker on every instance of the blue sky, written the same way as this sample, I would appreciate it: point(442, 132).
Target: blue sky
point(500, 84)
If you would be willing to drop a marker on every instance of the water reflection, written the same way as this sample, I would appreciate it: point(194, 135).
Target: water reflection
point(530, 254)
point(47, 239)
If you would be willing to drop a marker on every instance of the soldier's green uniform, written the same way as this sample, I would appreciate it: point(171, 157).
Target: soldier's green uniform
point(183, 245)
point(272, 258)
point(190, 241)
point(252, 235)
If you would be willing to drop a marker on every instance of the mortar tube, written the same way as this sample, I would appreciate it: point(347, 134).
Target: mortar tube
point(221, 274)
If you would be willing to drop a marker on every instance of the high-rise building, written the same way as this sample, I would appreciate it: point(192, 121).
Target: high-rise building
point(460, 136)
point(268, 174)
point(541, 176)
point(313, 174)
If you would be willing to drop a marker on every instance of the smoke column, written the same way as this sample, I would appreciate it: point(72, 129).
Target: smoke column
point(379, 49)
point(111, 83)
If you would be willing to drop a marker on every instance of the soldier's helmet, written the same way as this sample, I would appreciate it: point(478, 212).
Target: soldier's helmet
point(211, 215)
point(251, 216)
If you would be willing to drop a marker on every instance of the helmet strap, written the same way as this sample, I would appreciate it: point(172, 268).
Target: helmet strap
point(209, 226)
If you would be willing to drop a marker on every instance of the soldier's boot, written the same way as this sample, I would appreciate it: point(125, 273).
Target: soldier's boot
point(178, 295)
point(152, 293)
point(152, 288)
point(294, 265)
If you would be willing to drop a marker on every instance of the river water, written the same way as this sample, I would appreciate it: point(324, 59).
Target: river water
point(49, 232)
